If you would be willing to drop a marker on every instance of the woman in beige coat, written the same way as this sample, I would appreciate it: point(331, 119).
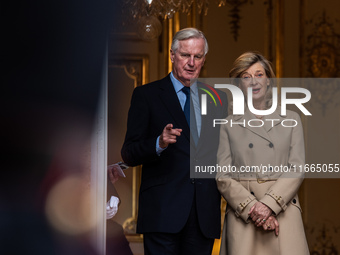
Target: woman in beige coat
point(263, 214)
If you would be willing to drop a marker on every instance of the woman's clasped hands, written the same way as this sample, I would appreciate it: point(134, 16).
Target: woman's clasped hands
point(262, 216)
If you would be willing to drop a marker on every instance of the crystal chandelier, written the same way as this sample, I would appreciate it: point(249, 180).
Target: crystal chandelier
point(166, 8)
point(149, 12)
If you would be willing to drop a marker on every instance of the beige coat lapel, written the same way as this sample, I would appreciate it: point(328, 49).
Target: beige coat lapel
point(243, 121)
point(273, 120)
point(250, 122)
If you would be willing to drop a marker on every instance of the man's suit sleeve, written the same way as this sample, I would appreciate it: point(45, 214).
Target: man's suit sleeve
point(139, 146)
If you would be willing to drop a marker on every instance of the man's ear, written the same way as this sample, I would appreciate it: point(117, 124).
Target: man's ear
point(172, 55)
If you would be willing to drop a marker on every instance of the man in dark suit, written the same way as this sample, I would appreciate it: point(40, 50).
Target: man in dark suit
point(178, 213)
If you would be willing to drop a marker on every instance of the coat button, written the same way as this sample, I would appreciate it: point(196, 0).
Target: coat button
point(251, 145)
point(294, 201)
point(192, 181)
point(271, 145)
point(252, 193)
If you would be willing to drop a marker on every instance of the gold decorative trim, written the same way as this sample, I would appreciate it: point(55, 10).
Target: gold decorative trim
point(165, 46)
point(323, 61)
point(325, 93)
point(323, 49)
point(269, 30)
point(135, 239)
point(170, 27)
point(324, 238)
point(279, 44)
point(136, 67)
point(193, 15)
point(303, 188)
point(234, 13)
point(176, 22)
point(302, 15)
point(170, 37)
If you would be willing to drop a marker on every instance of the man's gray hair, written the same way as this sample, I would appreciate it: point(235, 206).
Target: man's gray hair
point(188, 33)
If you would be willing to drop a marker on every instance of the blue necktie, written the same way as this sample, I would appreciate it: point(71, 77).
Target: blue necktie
point(188, 106)
point(186, 109)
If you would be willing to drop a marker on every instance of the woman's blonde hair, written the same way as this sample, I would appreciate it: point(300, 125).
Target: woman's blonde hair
point(244, 62)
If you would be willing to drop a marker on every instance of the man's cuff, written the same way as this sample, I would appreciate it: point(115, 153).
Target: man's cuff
point(159, 149)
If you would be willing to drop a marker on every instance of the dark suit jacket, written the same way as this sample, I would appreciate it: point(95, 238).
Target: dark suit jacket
point(167, 191)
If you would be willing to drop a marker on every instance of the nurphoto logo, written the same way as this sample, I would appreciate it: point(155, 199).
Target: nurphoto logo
point(238, 104)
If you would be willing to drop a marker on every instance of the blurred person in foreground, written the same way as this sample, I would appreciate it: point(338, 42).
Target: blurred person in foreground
point(263, 214)
point(52, 84)
point(177, 214)
point(116, 242)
